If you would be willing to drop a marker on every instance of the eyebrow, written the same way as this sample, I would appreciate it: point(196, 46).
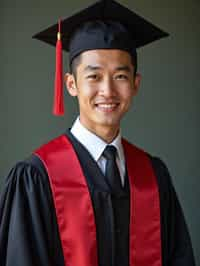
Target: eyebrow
point(90, 68)
point(124, 68)
point(119, 68)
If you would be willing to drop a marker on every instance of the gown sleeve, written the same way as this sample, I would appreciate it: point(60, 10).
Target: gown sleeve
point(176, 242)
point(28, 228)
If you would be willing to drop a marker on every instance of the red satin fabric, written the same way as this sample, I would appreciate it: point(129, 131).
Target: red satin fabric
point(145, 232)
point(74, 209)
point(72, 202)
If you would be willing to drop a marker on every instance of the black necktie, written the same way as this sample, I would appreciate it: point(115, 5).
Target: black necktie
point(112, 172)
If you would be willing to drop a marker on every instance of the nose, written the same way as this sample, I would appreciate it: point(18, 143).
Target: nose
point(107, 88)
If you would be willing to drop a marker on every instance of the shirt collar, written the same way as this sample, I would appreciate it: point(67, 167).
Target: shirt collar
point(94, 144)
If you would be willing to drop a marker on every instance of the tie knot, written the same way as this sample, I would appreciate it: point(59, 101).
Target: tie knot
point(110, 152)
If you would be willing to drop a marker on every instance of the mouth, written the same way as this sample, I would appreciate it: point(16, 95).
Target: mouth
point(106, 107)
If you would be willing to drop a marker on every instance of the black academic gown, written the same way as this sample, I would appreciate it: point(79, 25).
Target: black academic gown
point(28, 227)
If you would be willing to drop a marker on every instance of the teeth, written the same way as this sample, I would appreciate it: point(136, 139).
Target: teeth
point(106, 105)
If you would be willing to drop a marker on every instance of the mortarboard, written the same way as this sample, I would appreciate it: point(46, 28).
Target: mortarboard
point(106, 24)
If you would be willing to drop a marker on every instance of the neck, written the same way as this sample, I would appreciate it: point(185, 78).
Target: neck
point(107, 135)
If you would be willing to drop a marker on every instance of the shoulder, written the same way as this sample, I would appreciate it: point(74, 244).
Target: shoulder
point(25, 187)
point(53, 145)
point(159, 167)
point(27, 173)
point(156, 162)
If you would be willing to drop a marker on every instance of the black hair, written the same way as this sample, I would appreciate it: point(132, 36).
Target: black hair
point(74, 64)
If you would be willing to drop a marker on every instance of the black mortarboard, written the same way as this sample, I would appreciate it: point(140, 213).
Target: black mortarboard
point(104, 25)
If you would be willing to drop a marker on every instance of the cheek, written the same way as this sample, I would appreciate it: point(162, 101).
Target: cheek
point(86, 94)
point(126, 93)
point(90, 91)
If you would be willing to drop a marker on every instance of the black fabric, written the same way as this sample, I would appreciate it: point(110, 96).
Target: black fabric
point(127, 31)
point(120, 206)
point(176, 242)
point(100, 34)
point(112, 172)
point(28, 227)
point(111, 210)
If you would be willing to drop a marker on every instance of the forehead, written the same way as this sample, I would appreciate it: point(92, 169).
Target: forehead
point(105, 58)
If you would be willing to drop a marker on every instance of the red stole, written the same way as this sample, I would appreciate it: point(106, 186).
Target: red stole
point(74, 211)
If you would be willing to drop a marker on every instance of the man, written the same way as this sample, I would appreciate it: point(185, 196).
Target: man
point(89, 197)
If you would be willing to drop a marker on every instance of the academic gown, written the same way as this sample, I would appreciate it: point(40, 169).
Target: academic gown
point(29, 233)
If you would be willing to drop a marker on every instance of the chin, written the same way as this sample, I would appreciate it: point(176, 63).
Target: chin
point(109, 122)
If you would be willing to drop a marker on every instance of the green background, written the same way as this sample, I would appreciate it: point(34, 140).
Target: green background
point(164, 119)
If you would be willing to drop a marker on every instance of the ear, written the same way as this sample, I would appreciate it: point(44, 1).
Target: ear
point(70, 84)
point(137, 83)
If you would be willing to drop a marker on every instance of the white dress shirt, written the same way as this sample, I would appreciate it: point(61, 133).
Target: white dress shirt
point(95, 145)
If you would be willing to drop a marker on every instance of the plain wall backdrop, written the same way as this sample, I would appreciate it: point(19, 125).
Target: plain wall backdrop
point(164, 119)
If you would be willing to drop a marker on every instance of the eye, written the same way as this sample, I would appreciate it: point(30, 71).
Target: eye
point(121, 77)
point(93, 77)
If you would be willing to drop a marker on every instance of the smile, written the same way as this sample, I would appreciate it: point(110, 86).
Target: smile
point(107, 106)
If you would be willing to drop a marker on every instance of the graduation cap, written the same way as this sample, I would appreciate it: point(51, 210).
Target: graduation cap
point(106, 24)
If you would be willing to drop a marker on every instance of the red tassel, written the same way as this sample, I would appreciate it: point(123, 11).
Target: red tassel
point(58, 108)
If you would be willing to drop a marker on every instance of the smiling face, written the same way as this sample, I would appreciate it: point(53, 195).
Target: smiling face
point(105, 86)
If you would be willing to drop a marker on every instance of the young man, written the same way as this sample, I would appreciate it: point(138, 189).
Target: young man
point(89, 197)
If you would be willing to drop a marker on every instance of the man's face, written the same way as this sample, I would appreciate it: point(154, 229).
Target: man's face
point(105, 85)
